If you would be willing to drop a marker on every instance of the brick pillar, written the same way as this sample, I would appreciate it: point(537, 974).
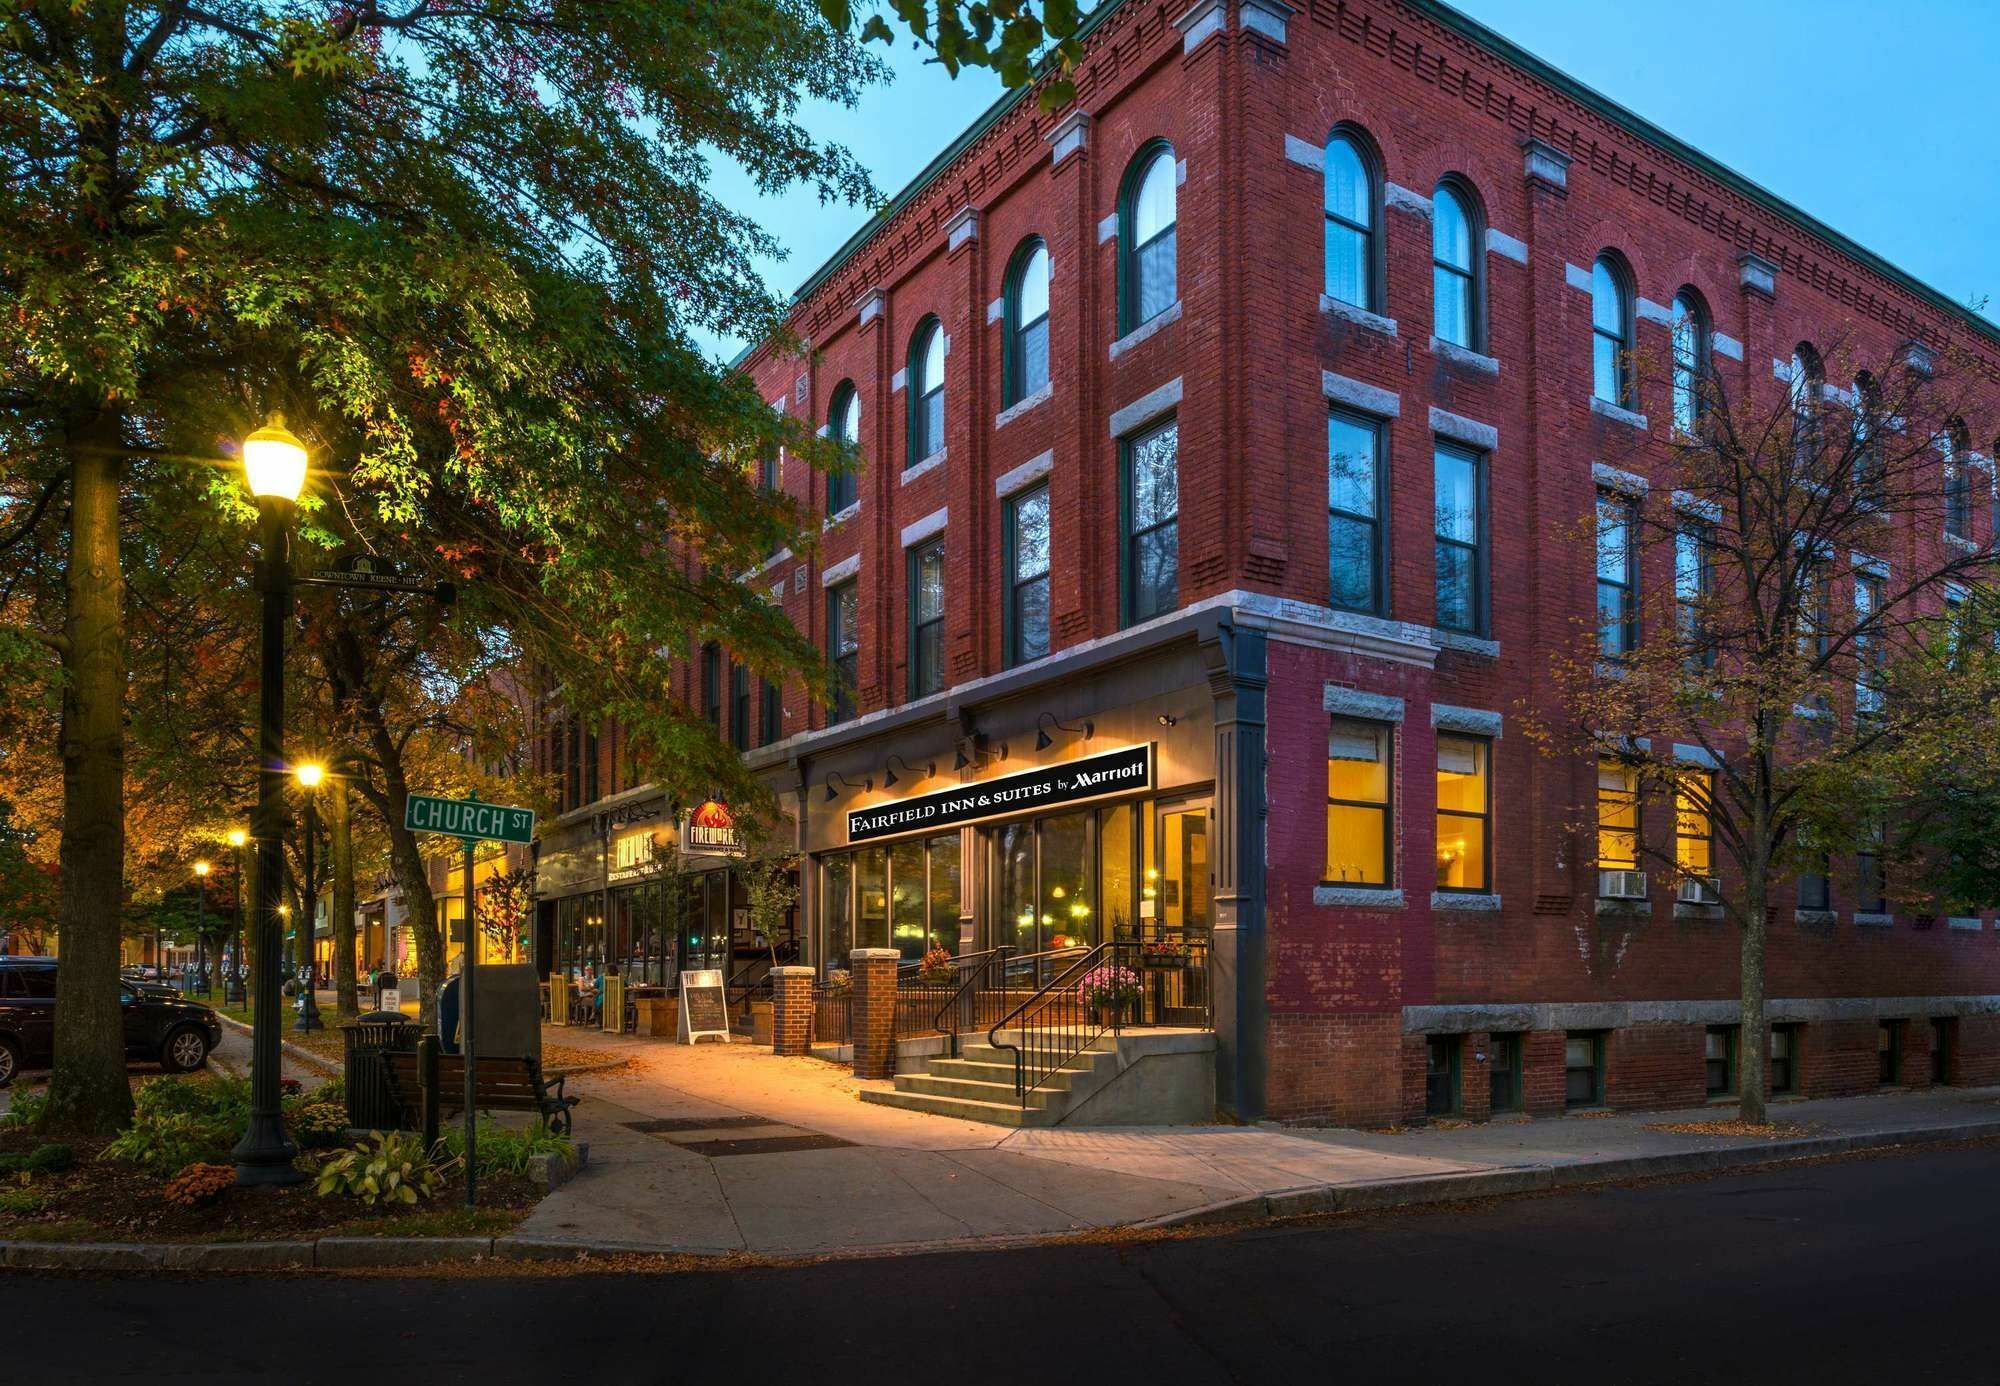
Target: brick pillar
point(874, 1011)
point(791, 1010)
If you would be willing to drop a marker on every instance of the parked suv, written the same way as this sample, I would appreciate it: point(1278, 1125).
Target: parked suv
point(159, 1028)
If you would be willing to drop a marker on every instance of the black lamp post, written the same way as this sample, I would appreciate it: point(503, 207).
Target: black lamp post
point(232, 979)
point(274, 462)
point(309, 777)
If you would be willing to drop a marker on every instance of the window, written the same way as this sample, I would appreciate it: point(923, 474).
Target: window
point(1867, 643)
point(1813, 640)
point(844, 424)
point(905, 896)
point(1027, 613)
point(1690, 332)
point(1583, 1069)
point(1805, 393)
point(1692, 580)
point(1359, 834)
point(1815, 889)
point(1957, 482)
point(770, 465)
point(1152, 513)
point(1441, 1074)
point(1867, 435)
point(770, 713)
point(1694, 825)
point(1889, 1053)
point(1148, 286)
point(1617, 605)
point(1454, 267)
point(843, 645)
point(1944, 1044)
point(1504, 1072)
point(1027, 307)
point(1464, 813)
point(1617, 816)
point(926, 386)
point(927, 618)
point(711, 685)
point(1611, 332)
point(739, 706)
point(1460, 520)
point(1720, 1055)
point(1784, 1059)
point(1871, 890)
point(1355, 477)
point(1350, 222)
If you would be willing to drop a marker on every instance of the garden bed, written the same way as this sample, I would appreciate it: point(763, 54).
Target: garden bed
point(104, 1191)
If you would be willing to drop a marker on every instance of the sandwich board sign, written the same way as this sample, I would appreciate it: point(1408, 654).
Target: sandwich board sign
point(704, 1010)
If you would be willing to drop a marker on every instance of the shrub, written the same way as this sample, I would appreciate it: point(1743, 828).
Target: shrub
point(199, 1185)
point(167, 1143)
point(52, 1158)
point(22, 1201)
point(510, 1149)
point(317, 1125)
point(220, 1097)
point(389, 1167)
point(25, 1111)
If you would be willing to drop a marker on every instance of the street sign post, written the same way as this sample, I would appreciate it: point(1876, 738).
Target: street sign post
point(473, 822)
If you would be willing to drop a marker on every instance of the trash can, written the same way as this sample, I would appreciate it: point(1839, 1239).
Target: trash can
point(371, 1103)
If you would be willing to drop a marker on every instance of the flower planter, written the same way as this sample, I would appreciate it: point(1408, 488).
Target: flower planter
point(1165, 962)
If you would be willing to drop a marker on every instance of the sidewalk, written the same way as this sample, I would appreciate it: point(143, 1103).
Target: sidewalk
point(727, 1148)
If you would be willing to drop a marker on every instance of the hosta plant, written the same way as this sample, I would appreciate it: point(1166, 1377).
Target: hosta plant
point(387, 1168)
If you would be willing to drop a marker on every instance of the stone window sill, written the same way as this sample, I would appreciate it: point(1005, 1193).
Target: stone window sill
point(1360, 317)
point(1960, 921)
point(1821, 917)
point(1608, 908)
point(1360, 897)
point(1874, 921)
point(1465, 644)
point(1457, 355)
point(1146, 329)
point(1683, 910)
point(1023, 405)
point(840, 517)
point(1604, 409)
point(929, 464)
point(1470, 903)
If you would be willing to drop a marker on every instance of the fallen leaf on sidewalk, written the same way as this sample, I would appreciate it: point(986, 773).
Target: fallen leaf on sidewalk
point(1769, 1131)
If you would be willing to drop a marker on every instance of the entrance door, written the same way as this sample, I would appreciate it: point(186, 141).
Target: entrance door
point(1180, 889)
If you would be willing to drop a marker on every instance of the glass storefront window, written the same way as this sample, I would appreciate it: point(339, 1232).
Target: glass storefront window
point(838, 911)
point(1014, 875)
point(908, 930)
point(1066, 918)
point(871, 899)
point(1114, 870)
point(944, 892)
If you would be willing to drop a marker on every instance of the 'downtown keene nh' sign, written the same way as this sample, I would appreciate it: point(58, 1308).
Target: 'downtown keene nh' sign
point(1114, 772)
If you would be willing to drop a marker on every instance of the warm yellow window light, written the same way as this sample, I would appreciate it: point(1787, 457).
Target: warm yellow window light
point(201, 868)
point(274, 461)
point(237, 837)
point(310, 774)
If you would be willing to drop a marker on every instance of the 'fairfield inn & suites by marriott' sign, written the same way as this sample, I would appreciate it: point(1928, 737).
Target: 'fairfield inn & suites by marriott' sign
point(1093, 777)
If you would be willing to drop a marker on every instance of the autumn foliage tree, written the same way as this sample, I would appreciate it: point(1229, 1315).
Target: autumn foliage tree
point(1783, 620)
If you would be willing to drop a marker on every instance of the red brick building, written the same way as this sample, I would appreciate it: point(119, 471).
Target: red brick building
point(1174, 405)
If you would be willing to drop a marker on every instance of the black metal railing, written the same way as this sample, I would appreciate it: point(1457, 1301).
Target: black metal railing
point(1115, 986)
point(924, 999)
point(833, 1013)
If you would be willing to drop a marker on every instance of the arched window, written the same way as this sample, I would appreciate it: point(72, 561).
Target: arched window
point(1805, 396)
point(843, 425)
point(1611, 331)
point(1148, 284)
point(1690, 329)
point(1455, 262)
point(1867, 435)
point(1954, 442)
point(1350, 221)
point(1027, 296)
point(926, 386)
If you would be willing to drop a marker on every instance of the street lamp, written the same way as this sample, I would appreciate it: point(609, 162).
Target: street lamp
point(309, 774)
point(232, 980)
point(274, 466)
point(201, 870)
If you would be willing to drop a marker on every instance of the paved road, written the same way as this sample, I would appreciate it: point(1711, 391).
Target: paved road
point(1872, 1270)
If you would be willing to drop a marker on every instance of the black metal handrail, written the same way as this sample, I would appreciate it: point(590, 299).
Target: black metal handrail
point(1060, 1020)
point(928, 1006)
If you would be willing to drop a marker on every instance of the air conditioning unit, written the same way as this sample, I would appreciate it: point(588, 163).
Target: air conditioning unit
point(1700, 890)
point(1621, 885)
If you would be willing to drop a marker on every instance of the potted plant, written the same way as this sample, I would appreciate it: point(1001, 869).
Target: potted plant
point(938, 969)
point(1109, 991)
point(1165, 955)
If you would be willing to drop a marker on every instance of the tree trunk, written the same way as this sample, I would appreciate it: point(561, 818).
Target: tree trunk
point(89, 1092)
point(340, 854)
point(1752, 1048)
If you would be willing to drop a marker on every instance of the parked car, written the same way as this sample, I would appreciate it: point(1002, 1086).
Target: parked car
point(160, 1027)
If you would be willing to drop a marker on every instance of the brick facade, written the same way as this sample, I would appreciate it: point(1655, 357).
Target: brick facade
point(1246, 93)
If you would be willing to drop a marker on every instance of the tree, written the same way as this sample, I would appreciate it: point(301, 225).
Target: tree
point(1802, 563)
point(436, 225)
point(1019, 39)
point(506, 904)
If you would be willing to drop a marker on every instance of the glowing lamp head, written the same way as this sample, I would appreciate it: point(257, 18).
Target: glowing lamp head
point(201, 868)
point(237, 837)
point(310, 774)
point(274, 461)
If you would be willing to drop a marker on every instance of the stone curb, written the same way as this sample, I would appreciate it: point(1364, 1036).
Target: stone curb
point(1313, 1199)
point(325, 1067)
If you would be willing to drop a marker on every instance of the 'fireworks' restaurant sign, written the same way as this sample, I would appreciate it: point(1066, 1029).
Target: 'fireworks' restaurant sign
point(1093, 777)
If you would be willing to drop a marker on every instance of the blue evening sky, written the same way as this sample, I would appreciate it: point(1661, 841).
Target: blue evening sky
point(1862, 120)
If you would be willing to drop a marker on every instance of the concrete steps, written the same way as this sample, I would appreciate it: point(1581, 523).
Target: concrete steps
point(979, 1084)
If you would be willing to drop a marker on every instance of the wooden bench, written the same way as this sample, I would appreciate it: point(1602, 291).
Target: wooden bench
point(503, 1085)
